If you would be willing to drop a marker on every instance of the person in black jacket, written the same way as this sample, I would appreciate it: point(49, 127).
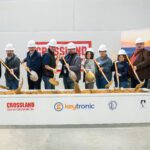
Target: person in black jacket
point(49, 64)
point(74, 62)
point(123, 68)
point(13, 62)
point(34, 62)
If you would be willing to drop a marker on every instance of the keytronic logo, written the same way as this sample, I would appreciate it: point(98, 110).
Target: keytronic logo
point(61, 106)
point(112, 105)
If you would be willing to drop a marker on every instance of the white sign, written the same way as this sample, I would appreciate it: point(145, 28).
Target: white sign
point(74, 109)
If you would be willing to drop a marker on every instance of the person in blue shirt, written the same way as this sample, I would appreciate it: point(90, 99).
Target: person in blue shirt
point(123, 68)
point(105, 63)
point(34, 63)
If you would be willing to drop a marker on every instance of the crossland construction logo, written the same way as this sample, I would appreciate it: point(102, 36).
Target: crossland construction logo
point(60, 106)
point(20, 106)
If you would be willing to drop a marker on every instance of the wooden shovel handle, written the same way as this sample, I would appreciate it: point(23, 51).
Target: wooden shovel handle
point(9, 69)
point(133, 69)
point(26, 68)
point(66, 64)
point(116, 70)
point(101, 70)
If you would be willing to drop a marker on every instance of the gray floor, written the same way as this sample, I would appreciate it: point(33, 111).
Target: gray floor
point(135, 137)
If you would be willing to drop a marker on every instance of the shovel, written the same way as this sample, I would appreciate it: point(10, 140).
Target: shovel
point(73, 77)
point(33, 74)
point(100, 69)
point(9, 70)
point(53, 80)
point(4, 87)
point(20, 81)
point(116, 70)
point(141, 83)
point(89, 76)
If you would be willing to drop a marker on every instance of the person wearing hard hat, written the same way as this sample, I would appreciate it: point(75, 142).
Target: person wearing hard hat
point(34, 63)
point(122, 69)
point(105, 63)
point(13, 62)
point(89, 65)
point(74, 63)
point(141, 62)
point(49, 64)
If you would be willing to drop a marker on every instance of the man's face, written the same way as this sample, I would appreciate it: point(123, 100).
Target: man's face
point(71, 51)
point(52, 48)
point(139, 46)
point(10, 53)
point(32, 49)
point(102, 54)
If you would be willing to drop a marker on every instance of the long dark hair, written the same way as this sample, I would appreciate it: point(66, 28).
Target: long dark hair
point(92, 55)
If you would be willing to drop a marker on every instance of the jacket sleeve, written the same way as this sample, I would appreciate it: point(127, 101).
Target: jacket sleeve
point(77, 65)
point(17, 65)
point(25, 59)
point(146, 61)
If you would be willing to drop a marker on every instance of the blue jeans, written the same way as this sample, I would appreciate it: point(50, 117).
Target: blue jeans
point(12, 84)
point(68, 84)
point(122, 84)
point(101, 82)
point(47, 84)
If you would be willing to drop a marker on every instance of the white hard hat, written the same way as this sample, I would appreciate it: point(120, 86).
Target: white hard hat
point(139, 40)
point(102, 48)
point(122, 52)
point(9, 47)
point(31, 43)
point(53, 43)
point(71, 46)
point(90, 50)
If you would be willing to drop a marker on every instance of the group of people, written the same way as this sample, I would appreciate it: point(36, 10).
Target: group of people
point(45, 66)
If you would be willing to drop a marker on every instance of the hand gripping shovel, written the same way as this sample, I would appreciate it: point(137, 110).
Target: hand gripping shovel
point(89, 76)
point(53, 80)
point(20, 81)
point(100, 69)
point(141, 83)
point(33, 75)
point(73, 77)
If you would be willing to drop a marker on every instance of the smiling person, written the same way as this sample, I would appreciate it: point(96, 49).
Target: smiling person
point(34, 63)
point(13, 62)
point(74, 63)
point(105, 63)
point(123, 68)
point(89, 65)
point(49, 64)
point(141, 62)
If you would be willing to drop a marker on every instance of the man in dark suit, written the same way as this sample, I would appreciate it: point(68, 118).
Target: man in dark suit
point(34, 63)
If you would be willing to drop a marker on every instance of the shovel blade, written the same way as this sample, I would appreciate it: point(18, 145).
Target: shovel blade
point(18, 91)
point(138, 86)
point(108, 85)
point(77, 88)
point(54, 82)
